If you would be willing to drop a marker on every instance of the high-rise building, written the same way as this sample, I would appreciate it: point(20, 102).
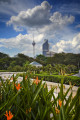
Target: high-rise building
point(50, 54)
point(45, 47)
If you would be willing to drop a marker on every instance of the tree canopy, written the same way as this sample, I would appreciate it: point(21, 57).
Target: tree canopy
point(22, 60)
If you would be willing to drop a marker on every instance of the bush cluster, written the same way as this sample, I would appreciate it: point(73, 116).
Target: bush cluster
point(57, 78)
point(29, 100)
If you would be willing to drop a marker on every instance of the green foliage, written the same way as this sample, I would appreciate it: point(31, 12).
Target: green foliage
point(15, 68)
point(42, 59)
point(3, 70)
point(3, 55)
point(57, 78)
point(65, 58)
point(4, 63)
point(34, 102)
point(60, 59)
point(7, 62)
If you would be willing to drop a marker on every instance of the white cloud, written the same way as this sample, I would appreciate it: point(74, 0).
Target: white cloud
point(23, 43)
point(78, 26)
point(61, 20)
point(73, 8)
point(40, 17)
point(43, 24)
point(13, 7)
point(68, 46)
point(37, 16)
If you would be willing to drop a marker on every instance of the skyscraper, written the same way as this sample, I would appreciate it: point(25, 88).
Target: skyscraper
point(45, 47)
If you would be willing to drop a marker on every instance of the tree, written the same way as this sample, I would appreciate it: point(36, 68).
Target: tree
point(60, 68)
point(3, 55)
point(41, 59)
point(49, 68)
point(70, 68)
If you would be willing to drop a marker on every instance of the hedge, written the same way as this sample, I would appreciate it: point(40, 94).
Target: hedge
point(3, 70)
point(57, 78)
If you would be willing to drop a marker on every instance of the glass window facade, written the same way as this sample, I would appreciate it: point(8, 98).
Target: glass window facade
point(45, 47)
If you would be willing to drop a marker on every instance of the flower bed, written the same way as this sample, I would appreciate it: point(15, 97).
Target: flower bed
point(29, 100)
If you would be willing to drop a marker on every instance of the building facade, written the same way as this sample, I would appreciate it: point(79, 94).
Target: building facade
point(45, 47)
point(50, 54)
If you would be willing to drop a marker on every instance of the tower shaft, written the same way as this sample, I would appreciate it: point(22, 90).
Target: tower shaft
point(33, 43)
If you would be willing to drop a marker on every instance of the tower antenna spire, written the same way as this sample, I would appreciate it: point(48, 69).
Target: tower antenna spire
point(33, 43)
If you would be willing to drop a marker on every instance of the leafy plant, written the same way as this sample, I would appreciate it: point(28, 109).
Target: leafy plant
point(30, 101)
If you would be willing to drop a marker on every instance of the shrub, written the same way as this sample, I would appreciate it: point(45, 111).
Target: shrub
point(57, 78)
point(16, 68)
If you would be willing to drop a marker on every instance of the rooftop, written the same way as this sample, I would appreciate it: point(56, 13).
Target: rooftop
point(35, 63)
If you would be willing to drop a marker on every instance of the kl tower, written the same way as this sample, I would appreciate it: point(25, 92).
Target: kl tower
point(33, 43)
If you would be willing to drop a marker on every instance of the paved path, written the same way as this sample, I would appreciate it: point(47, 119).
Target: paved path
point(78, 74)
point(7, 75)
point(65, 87)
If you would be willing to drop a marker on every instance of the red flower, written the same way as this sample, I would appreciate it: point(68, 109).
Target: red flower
point(60, 103)
point(10, 116)
point(25, 77)
point(36, 81)
point(18, 87)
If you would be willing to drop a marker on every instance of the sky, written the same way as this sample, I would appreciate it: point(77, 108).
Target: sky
point(21, 21)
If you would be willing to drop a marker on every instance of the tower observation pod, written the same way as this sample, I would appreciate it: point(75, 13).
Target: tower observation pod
point(33, 43)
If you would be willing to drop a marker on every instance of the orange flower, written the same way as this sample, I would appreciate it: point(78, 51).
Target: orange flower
point(60, 103)
point(36, 81)
point(18, 86)
point(10, 116)
point(25, 77)
point(26, 111)
point(37, 78)
point(57, 111)
point(30, 109)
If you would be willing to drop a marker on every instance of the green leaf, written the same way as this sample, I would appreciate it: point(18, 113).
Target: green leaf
point(68, 102)
point(74, 100)
point(3, 105)
point(65, 95)
point(40, 85)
